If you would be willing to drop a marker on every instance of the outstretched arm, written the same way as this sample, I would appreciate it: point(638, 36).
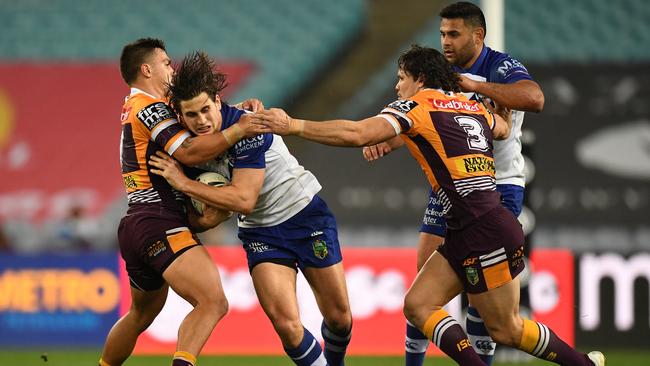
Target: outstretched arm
point(523, 95)
point(199, 149)
point(339, 132)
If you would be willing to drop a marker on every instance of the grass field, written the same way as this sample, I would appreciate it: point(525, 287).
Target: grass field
point(89, 358)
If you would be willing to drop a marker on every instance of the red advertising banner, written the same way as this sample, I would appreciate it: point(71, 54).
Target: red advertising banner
point(377, 280)
point(552, 291)
point(59, 136)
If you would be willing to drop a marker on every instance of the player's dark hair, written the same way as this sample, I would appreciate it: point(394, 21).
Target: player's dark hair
point(429, 66)
point(470, 13)
point(196, 74)
point(135, 54)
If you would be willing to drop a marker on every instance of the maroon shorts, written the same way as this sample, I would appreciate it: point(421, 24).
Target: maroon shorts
point(487, 253)
point(150, 238)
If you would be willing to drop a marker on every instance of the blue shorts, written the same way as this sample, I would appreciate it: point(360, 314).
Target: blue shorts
point(433, 222)
point(308, 239)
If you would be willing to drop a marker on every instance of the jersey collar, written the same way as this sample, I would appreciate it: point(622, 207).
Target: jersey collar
point(135, 91)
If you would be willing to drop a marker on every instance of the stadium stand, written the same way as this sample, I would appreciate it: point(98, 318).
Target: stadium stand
point(276, 36)
point(558, 31)
point(270, 49)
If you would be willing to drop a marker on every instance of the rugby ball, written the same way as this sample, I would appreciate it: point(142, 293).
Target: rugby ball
point(211, 179)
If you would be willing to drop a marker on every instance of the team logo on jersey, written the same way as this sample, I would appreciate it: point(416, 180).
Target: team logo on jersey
point(472, 275)
point(403, 106)
point(155, 113)
point(320, 249)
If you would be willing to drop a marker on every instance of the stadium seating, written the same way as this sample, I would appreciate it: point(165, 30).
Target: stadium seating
point(563, 31)
point(271, 49)
point(287, 41)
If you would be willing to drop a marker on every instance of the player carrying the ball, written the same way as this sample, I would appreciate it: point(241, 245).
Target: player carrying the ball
point(283, 223)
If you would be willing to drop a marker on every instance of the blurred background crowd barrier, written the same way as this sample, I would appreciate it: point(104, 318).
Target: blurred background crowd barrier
point(588, 156)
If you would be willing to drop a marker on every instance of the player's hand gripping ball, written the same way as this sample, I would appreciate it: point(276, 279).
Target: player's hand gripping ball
point(211, 179)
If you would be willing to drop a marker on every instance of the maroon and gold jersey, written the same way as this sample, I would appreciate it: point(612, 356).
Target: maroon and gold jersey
point(451, 138)
point(148, 125)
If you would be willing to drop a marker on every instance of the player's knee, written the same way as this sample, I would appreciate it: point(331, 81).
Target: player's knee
point(218, 305)
point(289, 330)
point(339, 323)
point(142, 318)
point(411, 307)
point(503, 333)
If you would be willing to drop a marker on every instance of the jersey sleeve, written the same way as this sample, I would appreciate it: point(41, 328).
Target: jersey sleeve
point(397, 114)
point(161, 122)
point(507, 70)
point(491, 120)
point(250, 152)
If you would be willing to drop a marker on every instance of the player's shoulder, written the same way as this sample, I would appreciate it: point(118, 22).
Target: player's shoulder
point(149, 110)
point(230, 115)
point(503, 66)
point(494, 56)
point(404, 106)
point(139, 100)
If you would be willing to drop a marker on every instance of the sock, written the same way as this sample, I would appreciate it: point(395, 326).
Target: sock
point(416, 345)
point(308, 352)
point(102, 362)
point(182, 358)
point(479, 336)
point(446, 333)
point(538, 340)
point(335, 345)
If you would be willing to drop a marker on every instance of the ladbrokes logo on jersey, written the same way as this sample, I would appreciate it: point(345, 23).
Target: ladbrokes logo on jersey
point(455, 104)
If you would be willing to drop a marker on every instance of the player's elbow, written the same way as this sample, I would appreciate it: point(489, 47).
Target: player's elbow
point(246, 208)
point(501, 132)
point(537, 101)
point(360, 137)
point(246, 205)
point(357, 140)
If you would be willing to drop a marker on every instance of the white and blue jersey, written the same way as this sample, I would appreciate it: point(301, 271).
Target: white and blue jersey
point(290, 223)
point(493, 67)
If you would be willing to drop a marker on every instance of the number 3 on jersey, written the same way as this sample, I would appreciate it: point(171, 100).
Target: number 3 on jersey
point(474, 130)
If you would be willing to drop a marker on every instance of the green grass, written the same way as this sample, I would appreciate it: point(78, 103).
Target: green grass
point(89, 358)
